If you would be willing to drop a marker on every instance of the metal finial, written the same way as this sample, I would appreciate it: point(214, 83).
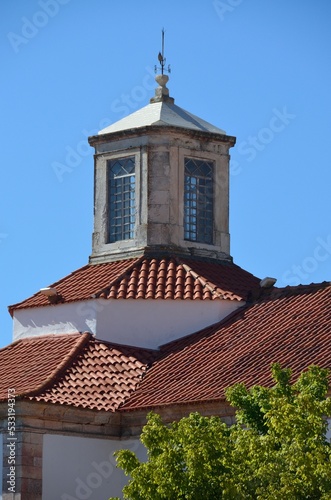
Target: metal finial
point(162, 59)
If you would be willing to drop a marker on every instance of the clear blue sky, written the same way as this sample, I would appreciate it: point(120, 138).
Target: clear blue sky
point(259, 69)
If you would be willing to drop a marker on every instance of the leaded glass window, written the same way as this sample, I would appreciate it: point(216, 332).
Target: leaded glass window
point(198, 201)
point(121, 193)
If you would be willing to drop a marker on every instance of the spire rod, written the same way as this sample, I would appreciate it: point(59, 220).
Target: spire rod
point(162, 92)
point(162, 59)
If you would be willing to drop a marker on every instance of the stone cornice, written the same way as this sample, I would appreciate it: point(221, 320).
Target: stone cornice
point(157, 130)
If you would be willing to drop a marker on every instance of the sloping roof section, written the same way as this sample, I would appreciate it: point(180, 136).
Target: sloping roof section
point(161, 114)
point(152, 278)
point(291, 326)
point(74, 370)
point(29, 365)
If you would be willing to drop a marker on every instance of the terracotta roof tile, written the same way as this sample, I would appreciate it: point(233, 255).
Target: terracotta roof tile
point(82, 284)
point(74, 370)
point(29, 365)
point(291, 326)
point(152, 278)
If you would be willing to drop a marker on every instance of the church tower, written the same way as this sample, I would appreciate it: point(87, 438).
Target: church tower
point(161, 184)
point(161, 235)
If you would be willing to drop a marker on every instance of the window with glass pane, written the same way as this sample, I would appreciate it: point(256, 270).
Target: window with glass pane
point(121, 192)
point(198, 201)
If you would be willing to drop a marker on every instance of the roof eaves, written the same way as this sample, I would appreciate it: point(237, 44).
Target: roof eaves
point(12, 307)
point(153, 128)
point(149, 406)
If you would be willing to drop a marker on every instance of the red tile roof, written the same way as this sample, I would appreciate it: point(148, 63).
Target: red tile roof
point(152, 278)
point(81, 284)
point(73, 369)
point(31, 364)
point(291, 326)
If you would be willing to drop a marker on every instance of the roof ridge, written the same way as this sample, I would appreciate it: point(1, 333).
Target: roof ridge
point(156, 113)
point(102, 376)
point(291, 290)
point(212, 287)
point(301, 286)
point(62, 367)
point(202, 281)
point(119, 278)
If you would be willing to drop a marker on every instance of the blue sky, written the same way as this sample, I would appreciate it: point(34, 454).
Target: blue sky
point(259, 69)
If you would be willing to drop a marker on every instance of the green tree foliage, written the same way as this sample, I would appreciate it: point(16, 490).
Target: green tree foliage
point(277, 449)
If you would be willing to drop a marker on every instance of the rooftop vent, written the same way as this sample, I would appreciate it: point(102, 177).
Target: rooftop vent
point(267, 282)
point(51, 293)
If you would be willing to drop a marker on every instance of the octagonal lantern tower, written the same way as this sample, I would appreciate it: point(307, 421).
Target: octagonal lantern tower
point(161, 184)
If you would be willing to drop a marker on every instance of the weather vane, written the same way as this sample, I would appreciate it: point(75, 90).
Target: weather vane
point(162, 59)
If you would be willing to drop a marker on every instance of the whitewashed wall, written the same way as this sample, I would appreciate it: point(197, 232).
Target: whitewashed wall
point(144, 323)
point(76, 468)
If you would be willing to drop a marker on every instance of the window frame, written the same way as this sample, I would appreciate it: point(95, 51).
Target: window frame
point(198, 190)
point(123, 234)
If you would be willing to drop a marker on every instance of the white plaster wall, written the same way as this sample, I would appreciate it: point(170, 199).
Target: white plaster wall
point(62, 318)
point(156, 322)
point(144, 323)
point(76, 468)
